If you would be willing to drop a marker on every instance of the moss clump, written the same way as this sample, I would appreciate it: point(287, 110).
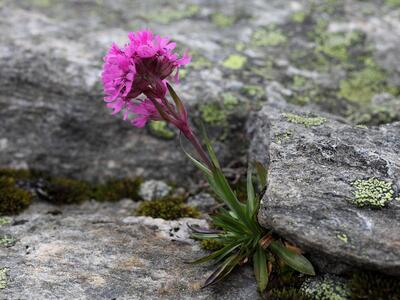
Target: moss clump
point(235, 62)
point(372, 192)
point(68, 191)
point(7, 240)
point(117, 189)
point(167, 208)
point(160, 129)
point(287, 294)
point(268, 37)
point(306, 121)
point(12, 198)
point(367, 285)
point(211, 245)
point(3, 278)
point(222, 20)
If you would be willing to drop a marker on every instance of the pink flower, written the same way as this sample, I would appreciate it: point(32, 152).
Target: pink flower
point(143, 66)
point(144, 111)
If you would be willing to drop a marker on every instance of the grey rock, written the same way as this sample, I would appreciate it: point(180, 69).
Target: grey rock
point(154, 189)
point(98, 251)
point(203, 201)
point(312, 187)
point(52, 113)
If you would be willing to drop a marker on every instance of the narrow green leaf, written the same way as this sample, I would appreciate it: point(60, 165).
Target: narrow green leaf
point(227, 222)
point(177, 100)
point(223, 270)
point(294, 260)
point(251, 201)
point(260, 268)
point(261, 174)
point(216, 254)
point(210, 149)
point(197, 163)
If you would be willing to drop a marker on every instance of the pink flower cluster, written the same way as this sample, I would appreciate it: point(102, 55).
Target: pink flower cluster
point(141, 67)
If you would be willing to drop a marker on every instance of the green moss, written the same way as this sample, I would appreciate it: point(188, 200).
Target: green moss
point(41, 3)
point(235, 62)
point(68, 191)
point(7, 240)
point(212, 113)
point(3, 278)
point(169, 15)
point(222, 20)
point(160, 129)
point(306, 121)
point(367, 285)
point(12, 198)
point(372, 192)
point(268, 37)
point(167, 208)
point(211, 245)
point(287, 294)
point(117, 189)
point(326, 288)
point(299, 17)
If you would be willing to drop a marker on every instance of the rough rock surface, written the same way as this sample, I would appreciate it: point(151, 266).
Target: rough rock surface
point(313, 163)
point(154, 189)
point(341, 56)
point(98, 251)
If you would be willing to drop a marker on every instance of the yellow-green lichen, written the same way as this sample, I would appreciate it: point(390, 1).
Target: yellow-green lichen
point(336, 45)
point(306, 121)
point(393, 3)
point(198, 61)
point(254, 91)
point(240, 46)
point(222, 20)
point(160, 129)
point(68, 191)
point(167, 208)
point(168, 15)
point(343, 237)
point(268, 37)
point(12, 198)
point(235, 62)
point(326, 288)
point(299, 16)
point(283, 136)
point(362, 85)
point(117, 189)
point(213, 114)
point(5, 220)
point(372, 192)
point(7, 240)
point(3, 278)
point(230, 101)
point(211, 245)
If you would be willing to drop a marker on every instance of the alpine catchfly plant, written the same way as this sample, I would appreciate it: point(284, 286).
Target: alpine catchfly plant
point(137, 81)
